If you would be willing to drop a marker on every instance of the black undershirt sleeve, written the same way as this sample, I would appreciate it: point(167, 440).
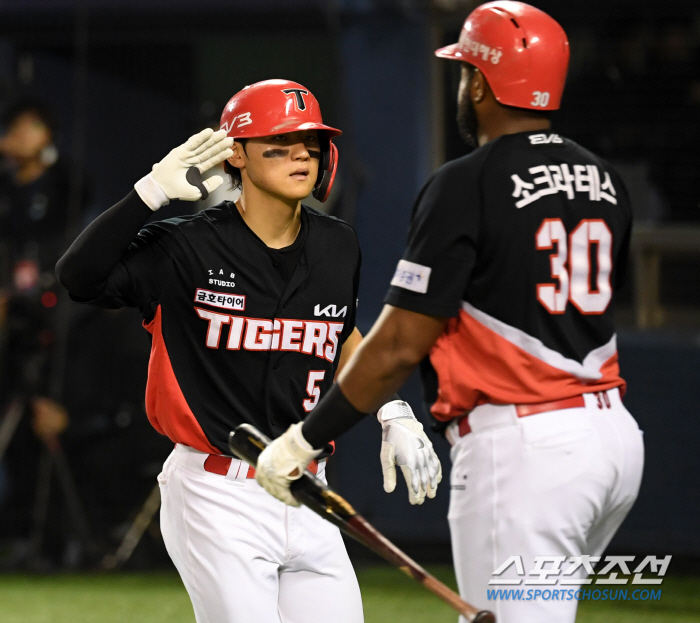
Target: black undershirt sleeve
point(87, 264)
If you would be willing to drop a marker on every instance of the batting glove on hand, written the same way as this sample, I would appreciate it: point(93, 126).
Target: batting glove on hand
point(404, 443)
point(283, 462)
point(170, 179)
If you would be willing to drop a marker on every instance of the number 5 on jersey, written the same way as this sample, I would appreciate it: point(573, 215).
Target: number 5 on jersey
point(575, 283)
point(314, 392)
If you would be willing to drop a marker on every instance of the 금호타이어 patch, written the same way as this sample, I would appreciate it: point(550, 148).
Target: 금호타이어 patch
point(224, 300)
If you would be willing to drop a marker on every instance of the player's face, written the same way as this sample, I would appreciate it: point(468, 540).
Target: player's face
point(466, 115)
point(284, 165)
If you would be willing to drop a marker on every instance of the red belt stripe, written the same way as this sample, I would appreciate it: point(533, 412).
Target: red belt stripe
point(217, 464)
point(532, 409)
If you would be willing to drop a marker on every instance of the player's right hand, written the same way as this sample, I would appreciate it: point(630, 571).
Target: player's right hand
point(404, 443)
point(168, 179)
point(283, 462)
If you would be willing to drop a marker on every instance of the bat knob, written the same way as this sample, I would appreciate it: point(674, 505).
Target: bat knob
point(484, 616)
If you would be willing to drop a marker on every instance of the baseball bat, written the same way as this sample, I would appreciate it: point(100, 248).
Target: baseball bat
point(247, 442)
point(136, 531)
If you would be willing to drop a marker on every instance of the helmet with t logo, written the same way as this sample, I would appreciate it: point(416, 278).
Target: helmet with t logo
point(279, 106)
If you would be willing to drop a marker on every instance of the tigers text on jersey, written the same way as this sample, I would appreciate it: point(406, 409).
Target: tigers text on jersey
point(521, 243)
point(241, 332)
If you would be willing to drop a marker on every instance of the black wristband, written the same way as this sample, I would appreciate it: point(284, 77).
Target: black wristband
point(333, 416)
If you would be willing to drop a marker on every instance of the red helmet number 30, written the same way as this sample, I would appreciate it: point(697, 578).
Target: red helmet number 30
point(522, 51)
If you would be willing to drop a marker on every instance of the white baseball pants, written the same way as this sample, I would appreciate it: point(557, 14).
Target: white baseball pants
point(557, 483)
point(245, 557)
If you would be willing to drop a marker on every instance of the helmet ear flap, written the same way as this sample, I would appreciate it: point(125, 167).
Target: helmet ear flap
point(326, 172)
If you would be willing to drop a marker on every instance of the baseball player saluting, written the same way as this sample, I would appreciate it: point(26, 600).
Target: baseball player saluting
point(251, 306)
point(508, 282)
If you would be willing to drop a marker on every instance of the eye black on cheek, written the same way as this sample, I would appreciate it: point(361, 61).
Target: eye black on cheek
point(275, 153)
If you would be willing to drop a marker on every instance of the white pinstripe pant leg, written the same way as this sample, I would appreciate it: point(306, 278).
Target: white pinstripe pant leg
point(552, 484)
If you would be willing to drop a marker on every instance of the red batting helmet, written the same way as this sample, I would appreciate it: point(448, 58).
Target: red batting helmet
point(277, 106)
point(522, 51)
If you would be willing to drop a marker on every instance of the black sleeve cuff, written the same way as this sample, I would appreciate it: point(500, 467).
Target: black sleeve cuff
point(333, 416)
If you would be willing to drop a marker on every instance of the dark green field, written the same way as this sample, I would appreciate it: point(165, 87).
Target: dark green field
point(388, 596)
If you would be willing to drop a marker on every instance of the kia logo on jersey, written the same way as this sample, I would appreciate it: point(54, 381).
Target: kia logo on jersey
point(331, 311)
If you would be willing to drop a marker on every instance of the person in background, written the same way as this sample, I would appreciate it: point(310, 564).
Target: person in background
point(34, 213)
point(34, 196)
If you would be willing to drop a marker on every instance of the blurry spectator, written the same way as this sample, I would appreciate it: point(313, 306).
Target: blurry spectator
point(34, 196)
point(34, 208)
point(34, 190)
point(98, 410)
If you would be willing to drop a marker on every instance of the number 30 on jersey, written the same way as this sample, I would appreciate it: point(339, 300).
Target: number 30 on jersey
point(571, 266)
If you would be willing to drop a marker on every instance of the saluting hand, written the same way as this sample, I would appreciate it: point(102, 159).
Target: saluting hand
point(169, 178)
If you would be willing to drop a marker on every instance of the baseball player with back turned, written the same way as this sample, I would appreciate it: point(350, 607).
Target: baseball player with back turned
point(507, 284)
point(251, 306)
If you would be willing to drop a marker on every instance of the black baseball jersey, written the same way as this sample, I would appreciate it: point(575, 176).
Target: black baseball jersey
point(241, 332)
point(521, 244)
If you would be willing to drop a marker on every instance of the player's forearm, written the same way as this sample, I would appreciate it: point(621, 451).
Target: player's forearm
point(395, 345)
point(376, 371)
point(363, 388)
point(386, 357)
point(89, 260)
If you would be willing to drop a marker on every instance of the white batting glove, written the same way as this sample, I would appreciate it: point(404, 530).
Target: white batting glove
point(404, 443)
point(283, 462)
point(168, 179)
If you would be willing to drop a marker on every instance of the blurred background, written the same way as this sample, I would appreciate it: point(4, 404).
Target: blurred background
point(93, 92)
